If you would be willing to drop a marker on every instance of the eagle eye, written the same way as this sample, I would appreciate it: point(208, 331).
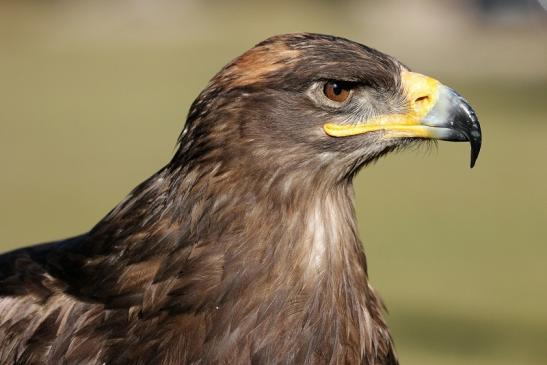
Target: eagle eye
point(337, 91)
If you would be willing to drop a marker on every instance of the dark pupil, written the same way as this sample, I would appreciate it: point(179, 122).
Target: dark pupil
point(336, 88)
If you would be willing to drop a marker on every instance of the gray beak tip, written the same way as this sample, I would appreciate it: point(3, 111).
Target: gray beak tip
point(455, 114)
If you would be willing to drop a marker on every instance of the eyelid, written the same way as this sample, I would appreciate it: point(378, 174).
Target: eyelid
point(348, 83)
point(352, 84)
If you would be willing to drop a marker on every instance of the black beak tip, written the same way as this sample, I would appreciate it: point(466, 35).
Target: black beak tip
point(469, 124)
point(475, 139)
point(475, 149)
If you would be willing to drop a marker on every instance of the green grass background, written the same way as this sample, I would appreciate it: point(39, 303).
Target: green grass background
point(94, 94)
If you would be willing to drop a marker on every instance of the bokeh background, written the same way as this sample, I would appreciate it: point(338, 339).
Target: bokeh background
point(94, 93)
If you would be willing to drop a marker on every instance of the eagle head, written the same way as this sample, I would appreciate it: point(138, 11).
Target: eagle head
point(320, 104)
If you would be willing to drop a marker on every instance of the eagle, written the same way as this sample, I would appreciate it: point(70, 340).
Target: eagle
point(243, 248)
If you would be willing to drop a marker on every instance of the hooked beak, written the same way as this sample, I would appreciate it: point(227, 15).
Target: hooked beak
point(435, 112)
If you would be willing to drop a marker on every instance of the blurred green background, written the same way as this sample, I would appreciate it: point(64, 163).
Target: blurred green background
point(94, 93)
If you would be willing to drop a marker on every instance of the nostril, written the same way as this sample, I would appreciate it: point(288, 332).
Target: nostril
point(422, 99)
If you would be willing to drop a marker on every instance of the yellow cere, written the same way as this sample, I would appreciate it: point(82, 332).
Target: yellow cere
point(422, 94)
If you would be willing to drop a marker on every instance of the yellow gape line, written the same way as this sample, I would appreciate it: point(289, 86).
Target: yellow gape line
point(395, 130)
point(422, 95)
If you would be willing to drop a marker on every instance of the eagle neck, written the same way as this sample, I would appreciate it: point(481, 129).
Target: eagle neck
point(288, 238)
point(274, 254)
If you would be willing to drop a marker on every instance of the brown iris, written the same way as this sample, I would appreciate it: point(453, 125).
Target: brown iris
point(336, 91)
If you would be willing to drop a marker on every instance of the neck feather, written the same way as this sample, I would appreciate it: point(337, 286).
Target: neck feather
point(274, 254)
